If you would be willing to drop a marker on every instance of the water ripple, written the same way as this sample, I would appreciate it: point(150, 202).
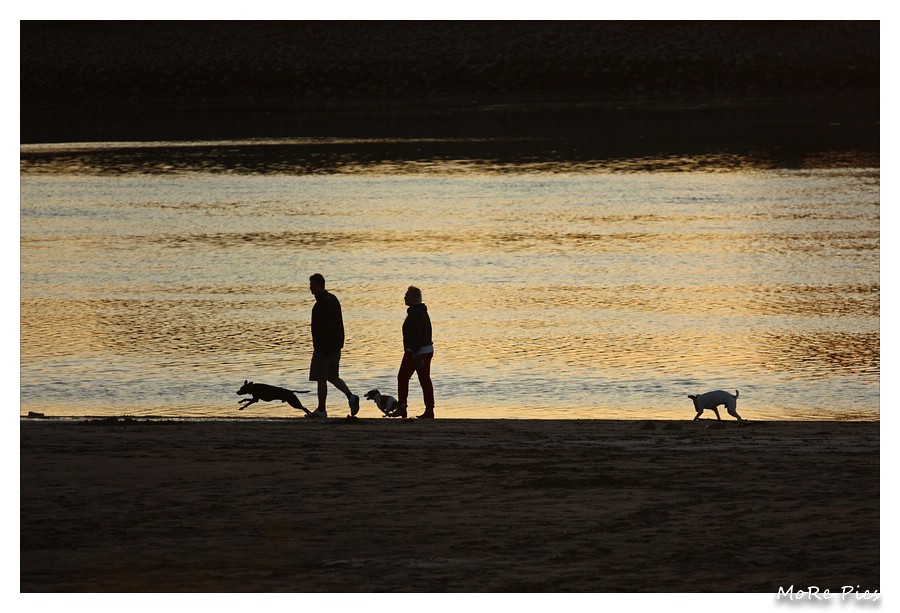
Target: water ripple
point(597, 295)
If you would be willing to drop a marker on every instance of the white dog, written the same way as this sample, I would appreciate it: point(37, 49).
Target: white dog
point(387, 404)
point(712, 400)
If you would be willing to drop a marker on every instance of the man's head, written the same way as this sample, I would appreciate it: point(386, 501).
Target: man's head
point(413, 296)
point(316, 283)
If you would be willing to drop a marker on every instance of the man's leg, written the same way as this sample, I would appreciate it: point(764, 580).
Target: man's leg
point(335, 379)
point(318, 372)
point(352, 399)
point(322, 390)
point(339, 383)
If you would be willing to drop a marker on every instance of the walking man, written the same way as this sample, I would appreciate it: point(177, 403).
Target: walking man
point(328, 340)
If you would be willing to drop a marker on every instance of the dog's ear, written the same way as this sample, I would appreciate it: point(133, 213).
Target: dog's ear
point(245, 382)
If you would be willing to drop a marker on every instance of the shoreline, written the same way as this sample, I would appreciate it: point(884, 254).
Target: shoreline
point(453, 505)
point(668, 424)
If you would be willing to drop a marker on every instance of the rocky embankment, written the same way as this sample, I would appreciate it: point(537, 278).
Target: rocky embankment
point(91, 65)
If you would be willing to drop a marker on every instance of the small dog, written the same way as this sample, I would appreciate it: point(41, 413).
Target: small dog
point(712, 400)
point(387, 404)
point(268, 393)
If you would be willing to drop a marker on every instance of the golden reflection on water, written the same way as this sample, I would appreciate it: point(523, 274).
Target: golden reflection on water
point(608, 296)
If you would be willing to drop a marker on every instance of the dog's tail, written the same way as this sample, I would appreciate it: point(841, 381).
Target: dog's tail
point(737, 393)
point(300, 391)
point(691, 396)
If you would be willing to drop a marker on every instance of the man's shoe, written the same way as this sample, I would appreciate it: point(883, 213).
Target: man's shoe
point(319, 413)
point(428, 414)
point(354, 405)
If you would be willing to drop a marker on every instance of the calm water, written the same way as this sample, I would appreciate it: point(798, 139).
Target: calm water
point(156, 278)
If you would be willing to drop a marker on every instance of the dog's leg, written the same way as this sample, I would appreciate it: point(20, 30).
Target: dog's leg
point(249, 401)
point(716, 409)
point(697, 416)
point(297, 404)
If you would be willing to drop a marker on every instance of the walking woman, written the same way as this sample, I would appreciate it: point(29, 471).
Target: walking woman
point(417, 354)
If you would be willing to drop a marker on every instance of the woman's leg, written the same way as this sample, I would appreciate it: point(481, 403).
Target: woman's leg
point(424, 372)
point(407, 368)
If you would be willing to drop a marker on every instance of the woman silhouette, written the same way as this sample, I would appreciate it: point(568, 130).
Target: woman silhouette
point(417, 354)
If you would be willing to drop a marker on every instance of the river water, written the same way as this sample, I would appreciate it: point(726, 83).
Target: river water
point(157, 277)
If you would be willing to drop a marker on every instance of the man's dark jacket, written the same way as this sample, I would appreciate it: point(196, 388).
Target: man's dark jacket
point(327, 323)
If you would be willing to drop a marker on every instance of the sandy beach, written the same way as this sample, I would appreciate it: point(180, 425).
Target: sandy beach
point(373, 505)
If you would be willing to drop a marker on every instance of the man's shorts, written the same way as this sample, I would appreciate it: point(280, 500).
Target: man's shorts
point(325, 365)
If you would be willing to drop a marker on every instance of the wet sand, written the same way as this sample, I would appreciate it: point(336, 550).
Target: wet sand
point(450, 505)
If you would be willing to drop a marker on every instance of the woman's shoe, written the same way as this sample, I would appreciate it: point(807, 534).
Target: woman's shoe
point(428, 414)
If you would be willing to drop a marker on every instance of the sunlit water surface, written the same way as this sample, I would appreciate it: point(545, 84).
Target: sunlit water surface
point(605, 291)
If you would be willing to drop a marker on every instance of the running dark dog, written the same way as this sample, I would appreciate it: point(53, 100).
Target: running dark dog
point(268, 393)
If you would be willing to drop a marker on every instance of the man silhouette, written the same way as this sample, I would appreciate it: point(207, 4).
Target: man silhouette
point(328, 339)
